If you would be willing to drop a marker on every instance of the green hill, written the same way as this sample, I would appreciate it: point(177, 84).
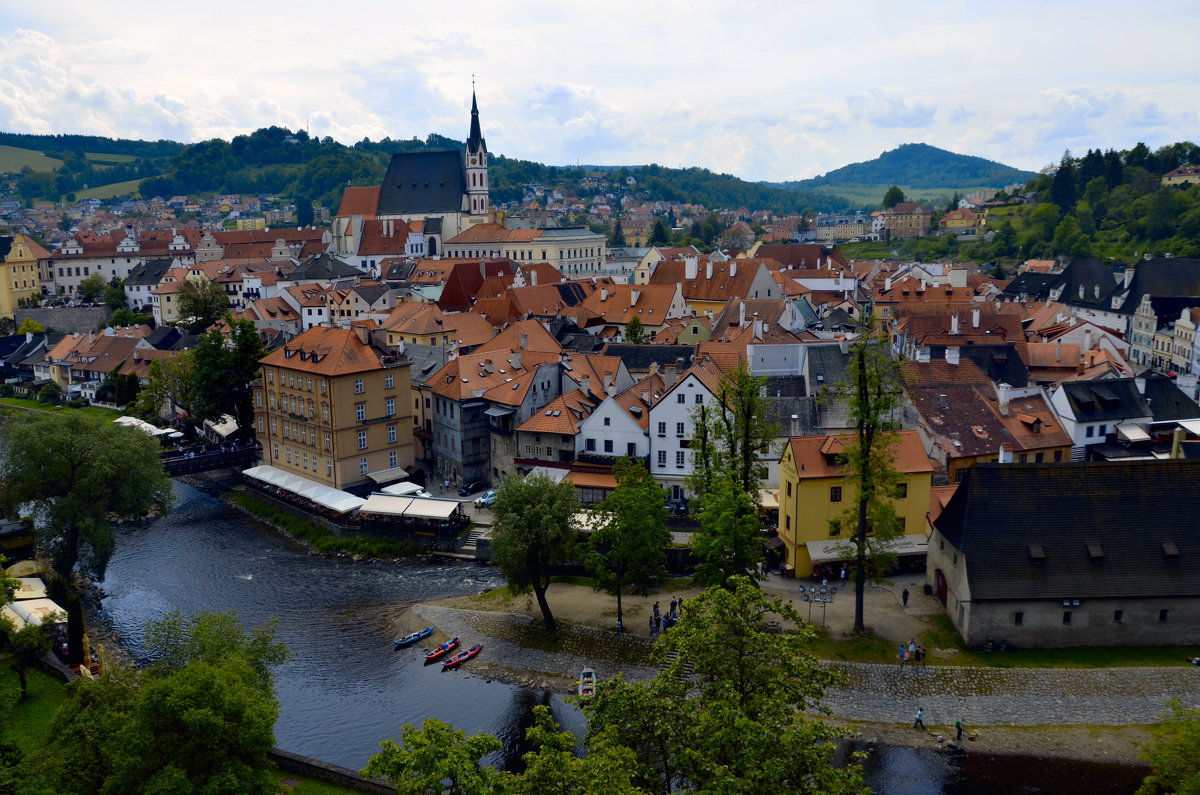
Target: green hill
point(922, 169)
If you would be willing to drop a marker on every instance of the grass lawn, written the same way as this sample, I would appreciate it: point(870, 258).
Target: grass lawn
point(128, 187)
point(31, 717)
point(13, 159)
point(95, 411)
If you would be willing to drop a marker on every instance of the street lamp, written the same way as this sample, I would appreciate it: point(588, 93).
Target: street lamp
point(822, 594)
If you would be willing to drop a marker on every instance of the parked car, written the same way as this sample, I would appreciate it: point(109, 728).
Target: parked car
point(487, 500)
point(470, 487)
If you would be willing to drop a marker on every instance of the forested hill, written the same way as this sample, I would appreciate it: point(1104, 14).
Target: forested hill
point(918, 166)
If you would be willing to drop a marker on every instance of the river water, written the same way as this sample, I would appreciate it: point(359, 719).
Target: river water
point(346, 689)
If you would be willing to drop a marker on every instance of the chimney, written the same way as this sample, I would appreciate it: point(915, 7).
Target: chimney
point(844, 346)
point(585, 385)
point(795, 425)
point(524, 342)
point(974, 318)
point(887, 284)
point(515, 360)
point(608, 383)
point(690, 267)
point(361, 330)
point(952, 354)
point(1087, 339)
point(1005, 456)
point(708, 270)
point(603, 294)
point(533, 278)
point(1176, 438)
point(634, 295)
point(1058, 351)
point(652, 370)
point(742, 314)
point(954, 324)
point(1128, 277)
point(1003, 395)
point(1140, 383)
point(732, 268)
point(758, 329)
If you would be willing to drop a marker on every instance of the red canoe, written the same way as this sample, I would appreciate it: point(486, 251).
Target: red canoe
point(438, 651)
point(462, 656)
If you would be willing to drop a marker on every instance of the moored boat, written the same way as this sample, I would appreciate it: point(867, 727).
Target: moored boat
point(441, 649)
point(462, 656)
point(413, 637)
point(587, 682)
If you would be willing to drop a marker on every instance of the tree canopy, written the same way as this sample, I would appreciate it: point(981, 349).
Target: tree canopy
point(1174, 757)
point(201, 302)
point(223, 367)
point(533, 534)
point(75, 472)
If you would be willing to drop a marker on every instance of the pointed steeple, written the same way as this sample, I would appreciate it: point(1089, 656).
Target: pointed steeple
point(475, 143)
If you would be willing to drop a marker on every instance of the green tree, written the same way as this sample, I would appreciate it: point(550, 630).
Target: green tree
point(606, 769)
point(660, 235)
point(224, 368)
point(635, 332)
point(873, 395)
point(893, 197)
point(127, 317)
point(721, 726)
point(435, 759)
point(618, 234)
point(76, 473)
point(304, 212)
point(28, 645)
point(50, 393)
point(30, 326)
point(200, 303)
point(628, 546)
point(1175, 755)
point(533, 534)
point(172, 383)
point(114, 295)
point(92, 288)
point(732, 431)
point(729, 540)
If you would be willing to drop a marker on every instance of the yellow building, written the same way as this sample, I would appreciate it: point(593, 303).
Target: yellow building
point(334, 408)
point(19, 257)
point(814, 494)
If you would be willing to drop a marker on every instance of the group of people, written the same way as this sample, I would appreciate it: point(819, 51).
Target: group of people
point(661, 623)
point(920, 722)
point(912, 653)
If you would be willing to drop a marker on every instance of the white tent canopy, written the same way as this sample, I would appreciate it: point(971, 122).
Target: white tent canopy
point(400, 489)
point(34, 611)
point(333, 499)
point(141, 425)
point(410, 507)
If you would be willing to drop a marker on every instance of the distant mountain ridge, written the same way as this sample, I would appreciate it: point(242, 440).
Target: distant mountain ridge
point(918, 166)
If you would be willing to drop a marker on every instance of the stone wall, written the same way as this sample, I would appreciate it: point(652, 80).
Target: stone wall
point(80, 319)
point(323, 771)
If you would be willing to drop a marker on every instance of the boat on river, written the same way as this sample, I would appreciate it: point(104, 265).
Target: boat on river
point(462, 656)
point(438, 651)
point(587, 682)
point(413, 637)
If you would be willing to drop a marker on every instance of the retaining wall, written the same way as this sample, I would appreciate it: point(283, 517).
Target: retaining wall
point(81, 319)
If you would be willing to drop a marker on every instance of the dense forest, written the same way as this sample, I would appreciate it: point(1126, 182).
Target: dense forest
point(1106, 204)
point(919, 166)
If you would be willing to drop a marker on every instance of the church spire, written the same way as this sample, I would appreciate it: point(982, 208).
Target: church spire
point(475, 143)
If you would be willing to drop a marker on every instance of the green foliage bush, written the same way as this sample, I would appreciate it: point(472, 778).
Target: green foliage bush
point(321, 539)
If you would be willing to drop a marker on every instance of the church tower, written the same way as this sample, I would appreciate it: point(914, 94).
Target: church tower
point(476, 163)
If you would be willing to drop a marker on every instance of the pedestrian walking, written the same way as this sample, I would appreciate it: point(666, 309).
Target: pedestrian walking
point(912, 648)
point(958, 728)
point(920, 721)
point(656, 612)
point(924, 655)
point(904, 597)
point(843, 576)
point(652, 626)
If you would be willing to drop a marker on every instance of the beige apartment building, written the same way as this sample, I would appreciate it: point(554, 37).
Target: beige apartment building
point(333, 406)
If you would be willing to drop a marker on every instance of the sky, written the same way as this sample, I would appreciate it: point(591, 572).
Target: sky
point(761, 90)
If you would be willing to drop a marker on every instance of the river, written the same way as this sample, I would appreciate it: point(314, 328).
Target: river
point(346, 689)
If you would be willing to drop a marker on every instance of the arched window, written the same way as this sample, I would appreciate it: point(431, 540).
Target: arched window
point(433, 247)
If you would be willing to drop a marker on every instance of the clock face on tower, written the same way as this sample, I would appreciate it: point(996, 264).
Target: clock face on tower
point(474, 161)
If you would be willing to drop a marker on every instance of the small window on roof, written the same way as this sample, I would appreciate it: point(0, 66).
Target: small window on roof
point(1037, 554)
point(1170, 550)
point(1096, 553)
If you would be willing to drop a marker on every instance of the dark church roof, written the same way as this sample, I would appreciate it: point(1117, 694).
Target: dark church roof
point(423, 182)
point(321, 267)
point(1115, 530)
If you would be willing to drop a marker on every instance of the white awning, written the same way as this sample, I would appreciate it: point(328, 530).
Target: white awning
point(400, 489)
point(30, 588)
point(431, 508)
point(386, 504)
point(317, 493)
point(499, 411)
point(388, 475)
point(821, 551)
point(1132, 433)
point(222, 427)
point(1191, 426)
point(34, 611)
point(769, 498)
point(550, 472)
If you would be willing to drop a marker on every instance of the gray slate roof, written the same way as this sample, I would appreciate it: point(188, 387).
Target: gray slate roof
point(321, 267)
point(1126, 510)
point(1111, 399)
point(638, 357)
point(423, 182)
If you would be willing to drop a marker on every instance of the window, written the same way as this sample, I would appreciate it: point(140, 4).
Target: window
point(608, 448)
point(308, 384)
point(1103, 430)
point(274, 428)
point(699, 398)
point(306, 460)
point(391, 406)
point(1090, 432)
point(1066, 617)
point(392, 459)
point(901, 490)
point(662, 458)
point(662, 429)
point(835, 493)
point(358, 386)
point(362, 440)
point(271, 400)
point(679, 458)
point(325, 413)
point(630, 450)
point(789, 489)
point(1019, 618)
point(1162, 615)
point(329, 468)
point(360, 412)
point(258, 399)
point(680, 398)
point(589, 445)
point(391, 434)
point(362, 466)
point(260, 424)
point(1118, 615)
point(322, 387)
point(389, 381)
point(1037, 458)
point(607, 421)
point(288, 452)
point(679, 426)
point(275, 451)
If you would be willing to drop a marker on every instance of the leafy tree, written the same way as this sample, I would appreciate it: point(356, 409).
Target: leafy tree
point(728, 542)
point(893, 197)
point(1065, 185)
point(533, 534)
point(618, 234)
point(304, 211)
point(172, 383)
point(552, 766)
point(28, 645)
point(92, 288)
point(635, 332)
point(30, 326)
point(223, 369)
point(50, 393)
point(660, 235)
point(212, 637)
point(127, 317)
point(1175, 755)
point(873, 395)
point(201, 302)
point(722, 728)
point(435, 759)
point(114, 295)
point(76, 473)
point(731, 433)
point(628, 546)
